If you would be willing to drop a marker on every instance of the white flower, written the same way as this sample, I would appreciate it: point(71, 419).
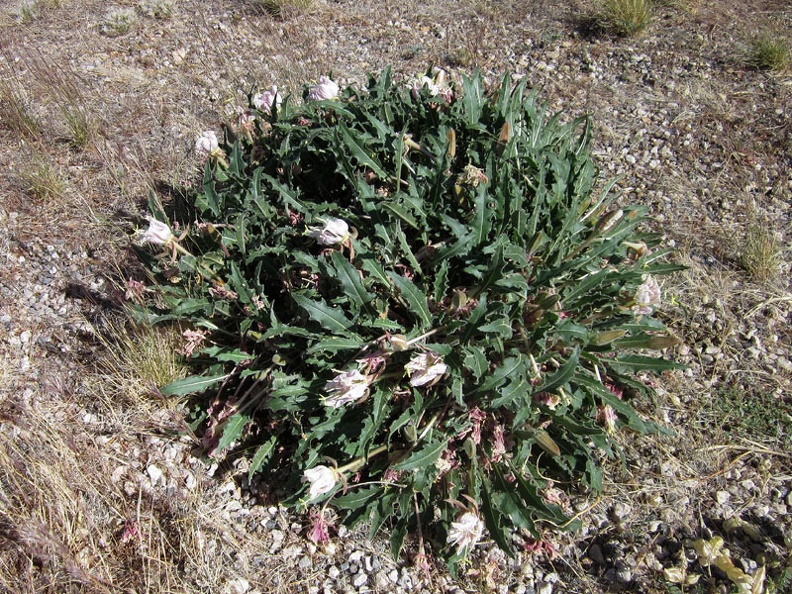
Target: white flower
point(332, 231)
point(207, 143)
point(321, 480)
point(346, 387)
point(647, 295)
point(264, 101)
point(158, 233)
point(425, 368)
point(325, 89)
point(465, 532)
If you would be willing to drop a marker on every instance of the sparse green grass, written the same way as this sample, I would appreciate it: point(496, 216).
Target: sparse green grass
point(625, 18)
point(770, 52)
point(754, 416)
point(760, 253)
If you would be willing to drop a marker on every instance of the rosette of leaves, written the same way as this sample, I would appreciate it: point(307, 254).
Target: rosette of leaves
point(475, 235)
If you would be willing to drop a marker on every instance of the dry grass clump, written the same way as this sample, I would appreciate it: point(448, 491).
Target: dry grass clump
point(625, 18)
point(119, 21)
point(16, 114)
point(288, 8)
point(158, 9)
point(43, 180)
point(760, 253)
point(139, 359)
point(770, 52)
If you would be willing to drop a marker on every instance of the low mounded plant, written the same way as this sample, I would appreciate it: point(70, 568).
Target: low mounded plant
point(625, 17)
point(770, 53)
point(410, 304)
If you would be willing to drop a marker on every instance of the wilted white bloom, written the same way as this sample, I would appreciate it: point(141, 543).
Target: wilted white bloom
point(264, 101)
point(332, 232)
point(320, 479)
point(425, 368)
point(647, 295)
point(158, 233)
point(433, 87)
point(465, 532)
point(207, 143)
point(346, 387)
point(325, 89)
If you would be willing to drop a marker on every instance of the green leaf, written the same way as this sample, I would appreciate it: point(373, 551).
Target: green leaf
point(356, 498)
point(262, 456)
point(349, 277)
point(358, 151)
point(330, 318)
point(415, 300)
point(422, 458)
point(233, 428)
point(632, 363)
point(562, 375)
point(492, 520)
point(191, 385)
point(335, 344)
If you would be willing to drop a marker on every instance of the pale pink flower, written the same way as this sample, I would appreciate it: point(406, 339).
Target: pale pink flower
point(158, 233)
point(346, 387)
point(333, 231)
point(207, 143)
point(265, 100)
point(465, 532)
point(425, 368)
point(320, 479)
point(325, 89)
point(647, 295)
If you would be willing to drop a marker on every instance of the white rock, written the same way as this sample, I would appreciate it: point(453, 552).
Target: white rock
point(155, 474)
point(238, 586)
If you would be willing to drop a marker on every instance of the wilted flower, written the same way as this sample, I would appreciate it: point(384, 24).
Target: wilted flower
point(647, 295)
point(319, 532)
point(135, 290)
point(346, 387)
point(320, 479)
point(425, 368)
point(332, 232)
point(465, 532)
point(158, 233)
point(325, 89)
point(606, 417)
point(193, 340)
point(207, 143)
point(266, 100)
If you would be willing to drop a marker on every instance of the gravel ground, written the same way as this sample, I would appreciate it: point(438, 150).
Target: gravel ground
point(690, 130)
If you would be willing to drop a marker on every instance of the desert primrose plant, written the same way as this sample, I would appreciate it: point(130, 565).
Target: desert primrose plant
point(412, 299)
